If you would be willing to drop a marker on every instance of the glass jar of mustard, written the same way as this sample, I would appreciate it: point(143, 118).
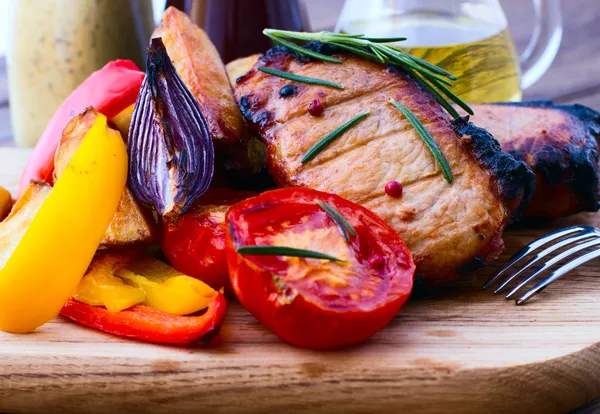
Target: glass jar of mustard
point(55, 44)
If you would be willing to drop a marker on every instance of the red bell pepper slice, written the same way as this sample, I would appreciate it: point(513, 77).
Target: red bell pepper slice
point(109, 90)
point(148, 324)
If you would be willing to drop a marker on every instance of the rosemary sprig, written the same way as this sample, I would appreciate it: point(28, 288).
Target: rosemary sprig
point(346, 228)
point(437, 95)
point(382, 39)
point(427, 139)
point(302, 50)
point(435, 79)
point(285, 251)
point(299, 78)
point(327, 139)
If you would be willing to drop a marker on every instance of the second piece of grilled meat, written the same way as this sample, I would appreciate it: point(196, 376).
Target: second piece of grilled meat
point(447, 227)
point(559, 143)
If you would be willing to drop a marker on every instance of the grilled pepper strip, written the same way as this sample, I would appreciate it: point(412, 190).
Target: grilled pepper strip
point(118, 280)
point(110, 90)
point(148, 324)
point(167, 289)
point(53, 252)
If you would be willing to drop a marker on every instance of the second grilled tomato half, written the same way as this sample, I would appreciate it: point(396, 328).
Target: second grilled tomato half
point(365, 275)
point(194, 243)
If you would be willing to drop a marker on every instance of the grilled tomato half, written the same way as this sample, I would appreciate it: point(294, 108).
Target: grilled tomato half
point(317, 270)
point(194, 243)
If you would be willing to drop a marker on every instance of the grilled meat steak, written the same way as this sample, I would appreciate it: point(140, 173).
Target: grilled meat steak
point(449, 228)
point(559, 143)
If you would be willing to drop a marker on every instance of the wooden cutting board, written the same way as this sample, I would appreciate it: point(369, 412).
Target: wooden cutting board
point(458, 350)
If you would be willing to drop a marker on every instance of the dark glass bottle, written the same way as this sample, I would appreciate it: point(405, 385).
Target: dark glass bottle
point(235, 26)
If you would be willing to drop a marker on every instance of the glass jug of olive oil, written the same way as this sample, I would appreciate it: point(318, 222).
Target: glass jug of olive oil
point(468, 38)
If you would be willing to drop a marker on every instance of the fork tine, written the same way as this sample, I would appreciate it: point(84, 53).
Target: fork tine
point(567, 267)
point(533, 246)
point(552, 262)
point(552, 248)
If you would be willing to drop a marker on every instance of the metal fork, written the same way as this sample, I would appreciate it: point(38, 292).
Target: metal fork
point(574, 238)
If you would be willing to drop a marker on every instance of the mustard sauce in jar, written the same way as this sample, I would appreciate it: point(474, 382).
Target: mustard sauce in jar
point(56, 44)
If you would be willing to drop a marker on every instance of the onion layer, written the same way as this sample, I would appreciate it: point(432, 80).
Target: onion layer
point(171, 154)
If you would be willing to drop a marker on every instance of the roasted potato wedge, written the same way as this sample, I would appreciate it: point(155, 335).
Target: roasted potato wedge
point(240, 67)
point(22, 213)
point(131, 224)
point(5, 203)
point(200, 67)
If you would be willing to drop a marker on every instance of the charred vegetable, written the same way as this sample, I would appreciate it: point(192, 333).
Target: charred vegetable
point(5, 203)
point(171, 154)
point(293, 269)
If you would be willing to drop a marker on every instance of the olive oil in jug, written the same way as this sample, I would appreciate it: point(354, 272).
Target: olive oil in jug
point(481, 55)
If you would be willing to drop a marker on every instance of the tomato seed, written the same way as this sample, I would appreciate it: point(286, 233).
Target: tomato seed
point(315, 108)
point(393, 189)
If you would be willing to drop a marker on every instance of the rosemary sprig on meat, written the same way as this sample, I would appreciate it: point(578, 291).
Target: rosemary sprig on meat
point(285, 251)
point(345, 227)
point(427, 139)
point(327, 139)
point(299, 78)
point(301, 50)
point(434, 78)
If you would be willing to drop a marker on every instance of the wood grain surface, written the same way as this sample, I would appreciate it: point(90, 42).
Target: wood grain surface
point(458, 350)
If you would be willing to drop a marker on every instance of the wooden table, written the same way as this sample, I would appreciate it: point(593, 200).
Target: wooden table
point(574, 77)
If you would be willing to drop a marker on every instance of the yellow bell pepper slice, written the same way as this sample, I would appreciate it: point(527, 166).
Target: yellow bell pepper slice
point(167, 289)
point(46, 262)
point(100, 287)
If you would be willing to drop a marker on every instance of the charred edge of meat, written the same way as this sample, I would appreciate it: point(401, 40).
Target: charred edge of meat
point(475, 264)
point(275, 52)
point(249, 105)
point(288, 91)
point(494, 248)
point(582, 164)
point(516, 181)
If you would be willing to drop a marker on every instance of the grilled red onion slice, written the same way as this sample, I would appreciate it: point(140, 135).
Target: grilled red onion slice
point(171, 154)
